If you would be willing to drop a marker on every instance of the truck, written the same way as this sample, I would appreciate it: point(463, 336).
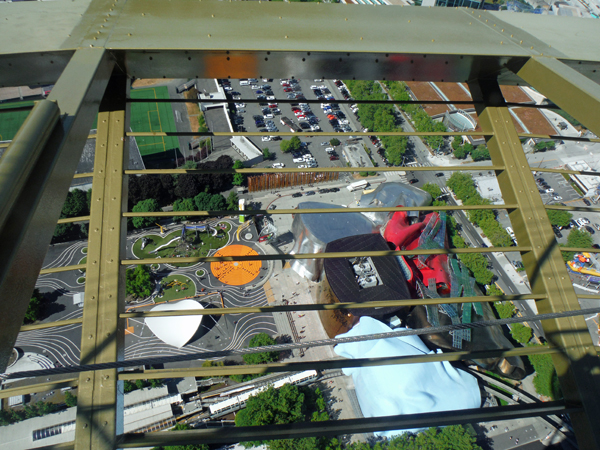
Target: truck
point(357, 185)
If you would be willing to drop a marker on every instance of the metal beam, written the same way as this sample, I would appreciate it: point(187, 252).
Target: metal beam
point(33, 218)
point(102, 332)
point(572, 91)
point(577, 365)
point(338, 427)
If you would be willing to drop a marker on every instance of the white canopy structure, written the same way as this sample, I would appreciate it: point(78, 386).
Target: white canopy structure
point(175, 330)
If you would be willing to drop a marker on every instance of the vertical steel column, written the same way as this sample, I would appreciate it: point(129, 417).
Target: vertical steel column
point(99, 408)
point(577, 366)
point(30, 225)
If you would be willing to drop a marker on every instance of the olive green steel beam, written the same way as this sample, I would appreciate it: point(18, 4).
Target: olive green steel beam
point(257, 212)
point(43, 326)
point(83, 175)
point(577, 364)
point(262, 369)
point(330, 255)
point(557, 137)
point(261, 170)
point(38, 387)
point(574, 92)
point(332, 428)
point(74, 219)
point(326, 307)
point(578, 249)
point(303, 133)
point(63, 269)
point(572, 208)
point(102, 333)
point(33, 218)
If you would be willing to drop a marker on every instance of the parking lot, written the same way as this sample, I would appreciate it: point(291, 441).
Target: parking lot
point(314, 140)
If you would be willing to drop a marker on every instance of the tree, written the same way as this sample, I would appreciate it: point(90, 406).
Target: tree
point(34, 308)
point(139, 283)
point(151, 187)
point(335, 142)
point(202, 201)
point(446, 438)
point(167, 188)
point(459, 153)
point(481, 153)
point(505, 310)
point(217, 203)
point(293, 145)
point(186, 204)
point(238, 178)
point(521, 333)
point(267, 154)
point(189, 165)
point(75, 205)
point(462, 185)
point(179, 427)
point(545, 380)
point(559, 218)
point(70, 399)
point(232, 201)
point(456, 142)
point(577, 238)
point(149, 205)
point(187, 186)
point(261, 340)
point(433, 189)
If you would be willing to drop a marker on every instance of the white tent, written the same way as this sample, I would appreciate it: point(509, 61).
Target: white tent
point(175, 330)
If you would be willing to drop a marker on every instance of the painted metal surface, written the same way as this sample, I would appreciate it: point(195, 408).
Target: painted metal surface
point(35, 213)
point(576, 364)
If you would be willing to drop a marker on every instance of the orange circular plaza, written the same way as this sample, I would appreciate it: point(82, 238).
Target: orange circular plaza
point(235, 273)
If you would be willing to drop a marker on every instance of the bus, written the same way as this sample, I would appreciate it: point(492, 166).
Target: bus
point(357, 185)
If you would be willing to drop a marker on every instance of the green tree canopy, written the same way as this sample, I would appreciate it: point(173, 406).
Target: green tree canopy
point(76, 204)
point(335, 142)
point(267, 154)
point(293, 145)
point(433, 189)
point(232, 201)
point(34, 308)
point(481, 153)
point(261, 340)
point(521, 333)
point(459, 153)
point(238, 178)
point(185, 204)
point(559, 218)
point(180, 427)
point(70, 399)
point(149, 205)
point(202, 201)
point(138, 282)
point(462, 185)
point(577, 238)
point(217, 203)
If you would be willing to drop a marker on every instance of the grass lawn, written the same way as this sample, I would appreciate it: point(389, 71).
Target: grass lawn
point(83, 261)
point(153, 117)
point(201, 245)
point(11, 121)
point(176, 292)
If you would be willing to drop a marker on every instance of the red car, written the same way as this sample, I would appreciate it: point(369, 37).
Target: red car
point(333, 158)
point(331, 117)
point(287, 89)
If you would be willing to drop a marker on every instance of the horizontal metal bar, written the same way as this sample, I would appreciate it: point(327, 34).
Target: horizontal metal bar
point(42, 326)
point(63, 269)
point(317, 211)
point(563, 171)
point(307, 101)
point(329, 307)
point(332, 255)
point(74, 219)
point(84, 175)
point(572, 208)
point(579, 249)
point(319, 170)
point(304, 133)
point(39, 387)
point(332, 428)
point(557, 137)
point(259, 369)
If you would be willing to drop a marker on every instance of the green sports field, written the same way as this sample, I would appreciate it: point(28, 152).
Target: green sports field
point(153, 117)
point(11, 121)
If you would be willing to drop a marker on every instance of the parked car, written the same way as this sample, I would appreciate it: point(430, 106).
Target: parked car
point(413, 181)
point(586, 201)
point(297, 194)
point(589, 229)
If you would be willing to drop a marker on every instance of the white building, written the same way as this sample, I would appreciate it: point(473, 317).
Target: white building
point(250, 154)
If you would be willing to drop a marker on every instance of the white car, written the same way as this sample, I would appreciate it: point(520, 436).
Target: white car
point(255, 86)
point(329, 149)
point(266, 138)
point(548, 191)
point(270, 97)
point(268, 115)
point(283, 81)
point(240, 105)
point(228, 88)
point(584, 220)
point(318, 80)
point(324, 143)
point(557, 197)
point(302, 166)
point(325, 105)
point(322, 87)
point(278, 166)
point(315, 128)
point(314, 86)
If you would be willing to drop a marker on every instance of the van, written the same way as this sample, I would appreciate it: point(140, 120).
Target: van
point(244, 83)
